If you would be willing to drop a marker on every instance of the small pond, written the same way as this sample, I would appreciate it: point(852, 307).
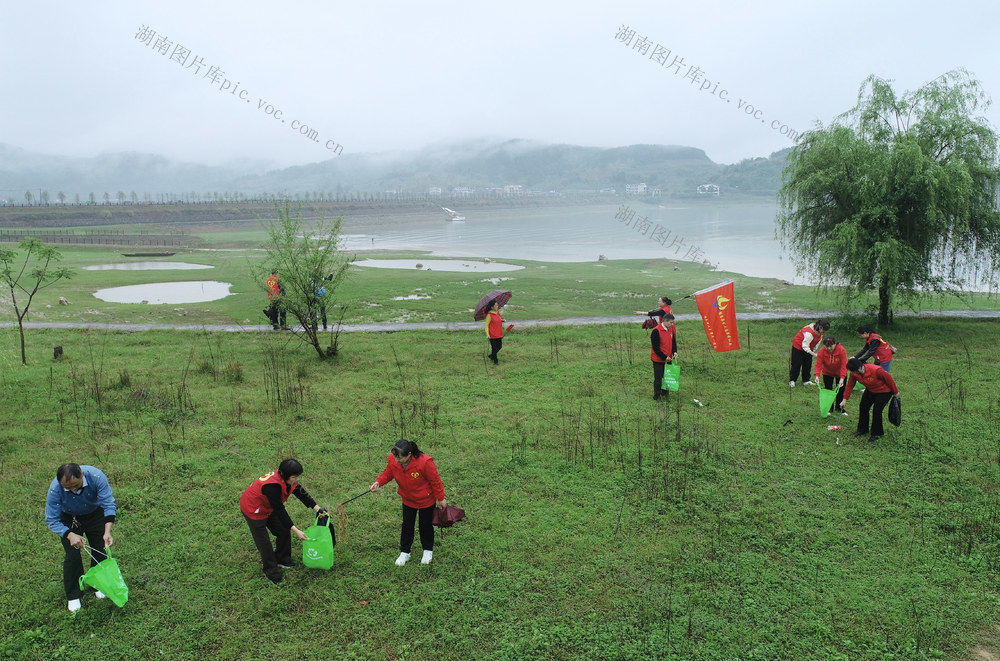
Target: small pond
point(166, 292)
point(464, 266)
point(147, 266)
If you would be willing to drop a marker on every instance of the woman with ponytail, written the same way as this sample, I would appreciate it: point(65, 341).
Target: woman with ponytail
point(419, 485)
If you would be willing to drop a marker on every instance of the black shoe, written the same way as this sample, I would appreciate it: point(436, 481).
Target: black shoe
point(274, 579)
point(872, 439)
point(656, 398)
point(287, 565)
point(858, 434)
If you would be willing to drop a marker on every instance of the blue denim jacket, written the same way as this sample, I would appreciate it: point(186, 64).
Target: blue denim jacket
point(96, 493)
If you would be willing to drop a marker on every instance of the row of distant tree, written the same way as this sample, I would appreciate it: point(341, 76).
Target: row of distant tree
point(44, 198)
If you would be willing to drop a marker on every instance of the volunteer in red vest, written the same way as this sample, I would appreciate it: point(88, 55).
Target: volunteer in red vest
point(263, 506)
point(879, 389)
point(664, 350)
point(494, 330)
point(275, 308)
point(804, 349)
point(831, 363)
point(875, 347)
point(419, 485)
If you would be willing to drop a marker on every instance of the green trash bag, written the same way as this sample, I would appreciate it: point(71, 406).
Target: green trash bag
point(106, 577)
point(826, 400)
point(672, 376)
point(317, 550)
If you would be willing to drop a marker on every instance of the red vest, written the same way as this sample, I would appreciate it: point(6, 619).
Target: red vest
point(817, 336)
point(273, 290)
point(494, 325)
point(254, 503)
point(883, 354)
point(666, 344)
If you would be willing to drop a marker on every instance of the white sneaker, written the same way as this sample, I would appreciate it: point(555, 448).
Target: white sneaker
point(99, 594)
point(426, 560)
point(791, 384)
point(401, 560)
point(74, 605)
point(843, 413)
point(810, 383)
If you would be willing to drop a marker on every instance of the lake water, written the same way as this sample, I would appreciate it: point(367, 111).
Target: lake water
point(147, 266)
point(166, 292)
point(735, 237)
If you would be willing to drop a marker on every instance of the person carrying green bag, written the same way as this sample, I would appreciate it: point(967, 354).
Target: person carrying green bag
point(664, 350)
point(317, 550)
point(263, 507)
point(79, 502)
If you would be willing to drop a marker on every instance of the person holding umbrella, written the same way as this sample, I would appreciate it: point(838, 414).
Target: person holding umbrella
point(263, 507)
point(420, 487)
point(489, 308)
point(879, 390)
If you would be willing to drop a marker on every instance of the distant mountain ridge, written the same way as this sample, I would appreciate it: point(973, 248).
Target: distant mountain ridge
point(478, 164)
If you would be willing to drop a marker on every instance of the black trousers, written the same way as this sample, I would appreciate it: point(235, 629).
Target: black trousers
point(270, 557)
point(829, 382)
point(275, 311)
point(496, 343)
point(800, 361)
point(92, 526)
point(426, 529)
point(658, 369)
point(879, 402)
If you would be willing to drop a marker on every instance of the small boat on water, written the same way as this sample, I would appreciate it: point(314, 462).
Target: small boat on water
point(453, 215)
point(148, 254)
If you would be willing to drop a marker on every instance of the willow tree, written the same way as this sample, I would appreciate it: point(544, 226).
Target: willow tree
point(898, 195)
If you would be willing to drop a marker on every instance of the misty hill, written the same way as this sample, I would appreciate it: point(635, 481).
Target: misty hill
point(675, 170)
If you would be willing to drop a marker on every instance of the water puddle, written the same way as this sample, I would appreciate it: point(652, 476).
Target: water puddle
point(166, 292)
point(439, 265)
point(147, 266)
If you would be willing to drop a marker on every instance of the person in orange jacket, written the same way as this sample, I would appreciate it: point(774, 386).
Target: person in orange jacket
point(494, 330)
point(420, 487)
point(831, 364)
point(879, 389)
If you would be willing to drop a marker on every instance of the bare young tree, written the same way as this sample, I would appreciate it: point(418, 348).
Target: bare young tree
point(25, 278)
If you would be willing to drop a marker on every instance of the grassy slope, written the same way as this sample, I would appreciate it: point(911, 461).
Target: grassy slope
point(601, 525)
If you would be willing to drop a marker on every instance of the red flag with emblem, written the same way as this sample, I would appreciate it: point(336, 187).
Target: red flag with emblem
point(718, 310)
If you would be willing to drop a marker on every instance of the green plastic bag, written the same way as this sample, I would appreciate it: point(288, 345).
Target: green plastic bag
point(672, 376)
point(826, 400)
point(317, 550)
point(107, 577)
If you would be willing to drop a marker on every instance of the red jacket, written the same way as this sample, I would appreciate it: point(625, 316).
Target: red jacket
point(494, 325)
point(254, 503)
point(419, 484)
point(875, 379)
point(832, 365)
point(816, 337)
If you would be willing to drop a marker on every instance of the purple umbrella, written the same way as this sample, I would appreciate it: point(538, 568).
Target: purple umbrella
point(501, 296)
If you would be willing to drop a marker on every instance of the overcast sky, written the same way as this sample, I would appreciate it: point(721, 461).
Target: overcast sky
point(384, 76)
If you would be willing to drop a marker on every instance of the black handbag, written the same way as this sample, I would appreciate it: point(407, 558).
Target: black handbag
point(896, 410)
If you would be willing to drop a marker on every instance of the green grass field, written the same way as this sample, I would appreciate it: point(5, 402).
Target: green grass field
point(601, 524)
